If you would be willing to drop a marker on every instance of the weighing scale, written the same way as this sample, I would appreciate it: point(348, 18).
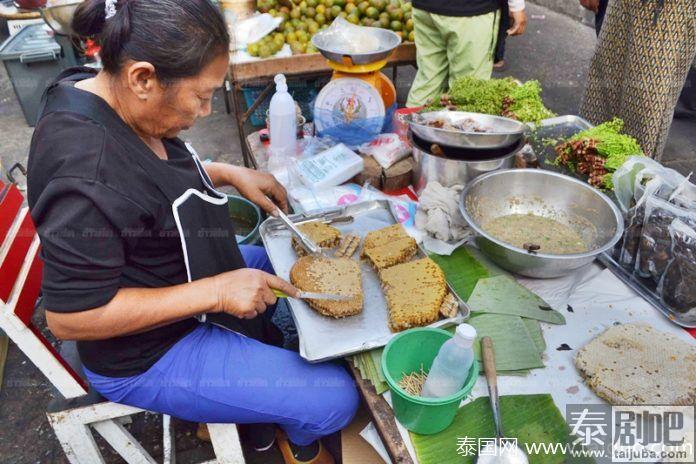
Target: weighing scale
point(358, 90)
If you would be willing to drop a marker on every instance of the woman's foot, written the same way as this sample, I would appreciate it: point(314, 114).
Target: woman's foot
point(314, 453)
point(499, 65)
point(202, 433)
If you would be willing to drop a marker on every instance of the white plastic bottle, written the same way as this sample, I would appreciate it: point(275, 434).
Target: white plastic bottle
point(283, 120)
point(452, 364)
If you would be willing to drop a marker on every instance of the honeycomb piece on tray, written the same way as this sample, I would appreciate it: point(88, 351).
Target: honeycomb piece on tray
point(389, 246)
point(415, 293)
point(348, 246)
point(338, 276)
point(324, 235)
point(450, 306)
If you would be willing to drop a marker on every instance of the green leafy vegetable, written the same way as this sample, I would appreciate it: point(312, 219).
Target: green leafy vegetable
point(502, 97)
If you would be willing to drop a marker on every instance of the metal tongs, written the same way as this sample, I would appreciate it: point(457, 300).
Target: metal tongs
point(307, 243)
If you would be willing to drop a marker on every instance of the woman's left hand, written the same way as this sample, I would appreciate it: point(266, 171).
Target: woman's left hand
point(258, 187)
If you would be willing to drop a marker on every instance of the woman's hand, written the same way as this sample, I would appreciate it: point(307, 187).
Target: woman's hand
point(246, 293)
point(519, 23)
point(258, 187)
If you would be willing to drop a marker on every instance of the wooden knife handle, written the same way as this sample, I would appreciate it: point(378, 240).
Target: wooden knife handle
point(489, 361)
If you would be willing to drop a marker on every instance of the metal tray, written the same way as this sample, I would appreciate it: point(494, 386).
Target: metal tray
point(561, 128)
point(323, 338)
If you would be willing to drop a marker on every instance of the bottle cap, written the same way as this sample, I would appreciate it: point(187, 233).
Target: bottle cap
point(466, 334)
point(281, 85)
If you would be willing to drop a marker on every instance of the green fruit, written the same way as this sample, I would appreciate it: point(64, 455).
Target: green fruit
point(408, 15)
point(311, 12)
point(396, 26)
point(302, 36)
point(367, 22)
point(409, 25)
point(284, 9)
point(379, 4)
point(389, 8)
point(407, 7)
point(295, 23)
point(313, 28)
point(362, 7)
point(273, 12)
point(311, 49)
point(328, 3)
point(264, 51)
point(340, 3)
point(321, 9)
point(312, 3)
point(295, 13)
point(291, 37)
point(353, 19)
point(288, 28)
point(384, 22)
point(336, 10)
point(412, 36)
point(372, 13)
point(320, 19)
point(351, 7)
point(284, 15)
point(253, 49)
point(303, 7)
point(396, 14)
point(343, 15)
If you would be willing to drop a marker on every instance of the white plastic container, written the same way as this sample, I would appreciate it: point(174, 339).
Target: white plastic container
point(452, 364)
point(329, 168)
point(282, 121)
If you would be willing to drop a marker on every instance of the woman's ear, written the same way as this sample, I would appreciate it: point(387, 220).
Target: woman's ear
point(142, 79)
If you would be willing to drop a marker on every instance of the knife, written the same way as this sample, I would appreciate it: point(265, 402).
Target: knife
point(314, 296)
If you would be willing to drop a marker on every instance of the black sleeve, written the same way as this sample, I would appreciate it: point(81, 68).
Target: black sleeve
point(85, 225)
point(83, 250)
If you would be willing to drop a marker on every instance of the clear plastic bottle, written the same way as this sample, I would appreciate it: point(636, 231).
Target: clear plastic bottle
point(452, 364)
point(282, 120)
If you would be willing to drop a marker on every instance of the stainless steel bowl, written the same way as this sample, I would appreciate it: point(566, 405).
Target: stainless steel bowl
point(503, 132)
point(325, 43)
point(58, 14)
point(448, 172)
point(520, 191)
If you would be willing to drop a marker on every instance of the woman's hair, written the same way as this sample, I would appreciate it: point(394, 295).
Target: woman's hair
point(178, 37)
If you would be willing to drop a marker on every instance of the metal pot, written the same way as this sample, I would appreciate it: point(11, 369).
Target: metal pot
point(449, 172)
point(58, 14)
point(562, 198)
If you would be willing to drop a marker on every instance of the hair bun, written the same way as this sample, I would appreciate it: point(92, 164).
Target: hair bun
point(89, 18)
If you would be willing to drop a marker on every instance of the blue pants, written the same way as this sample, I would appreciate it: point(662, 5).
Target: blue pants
point(214, 375)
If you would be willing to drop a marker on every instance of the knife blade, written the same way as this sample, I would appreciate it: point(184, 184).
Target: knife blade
point(314, 296)
point(307, 243)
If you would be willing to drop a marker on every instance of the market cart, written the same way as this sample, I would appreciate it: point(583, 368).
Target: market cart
point(295, 68)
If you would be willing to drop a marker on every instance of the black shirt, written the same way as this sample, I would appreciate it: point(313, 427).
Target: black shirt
point(457, 7)
point(104, 225)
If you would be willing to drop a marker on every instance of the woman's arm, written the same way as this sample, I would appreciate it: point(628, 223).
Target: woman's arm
point(254, 185)
point(244, 293)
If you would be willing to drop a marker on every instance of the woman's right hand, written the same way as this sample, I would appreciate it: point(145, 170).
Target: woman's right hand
point(246, 293)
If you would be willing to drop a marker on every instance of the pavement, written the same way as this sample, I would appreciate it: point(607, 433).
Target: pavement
point(556, 50)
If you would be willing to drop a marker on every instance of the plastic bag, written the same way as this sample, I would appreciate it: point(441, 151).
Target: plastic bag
point(255, 28)
point(346, 38)
point(677, 288)
point(660, 182)
point(655, 248)
point(624, 179)
point(303, 199)
point(684, 195)
point(386, 149)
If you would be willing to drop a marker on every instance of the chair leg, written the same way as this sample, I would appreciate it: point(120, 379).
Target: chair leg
point(168, 445)
point(123, 442)
point(75, 439)
point(228, 449)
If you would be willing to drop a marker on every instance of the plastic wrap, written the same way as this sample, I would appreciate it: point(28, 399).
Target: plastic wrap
point(386, 149)
point(624, 179)
point(677, 288)
point(349, 39)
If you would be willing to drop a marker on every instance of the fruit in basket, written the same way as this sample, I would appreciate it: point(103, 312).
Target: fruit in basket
point(320, 19)
point(353, 19)
point(372, 13)
point(362, 7)
point(412, 36)
point(336, 11)
point(396, 26)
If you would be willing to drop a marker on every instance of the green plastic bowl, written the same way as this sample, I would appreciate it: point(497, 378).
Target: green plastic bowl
point(246, 217)
point(405, 353)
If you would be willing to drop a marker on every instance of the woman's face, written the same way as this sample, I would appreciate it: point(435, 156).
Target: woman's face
point(162, 111)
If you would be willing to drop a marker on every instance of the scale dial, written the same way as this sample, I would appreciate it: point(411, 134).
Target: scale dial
point(345, 100)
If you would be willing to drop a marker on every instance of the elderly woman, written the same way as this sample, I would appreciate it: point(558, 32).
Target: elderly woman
point(138, 246)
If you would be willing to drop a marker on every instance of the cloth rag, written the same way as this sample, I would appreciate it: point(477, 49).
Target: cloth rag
point(438, 213)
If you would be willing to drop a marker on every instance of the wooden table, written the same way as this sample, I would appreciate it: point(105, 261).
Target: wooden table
point(297, 67)
point(382, 414)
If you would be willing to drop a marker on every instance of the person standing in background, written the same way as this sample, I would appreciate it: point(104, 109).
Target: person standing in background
point(456, 39)
point(643, 55)
point(599, 7)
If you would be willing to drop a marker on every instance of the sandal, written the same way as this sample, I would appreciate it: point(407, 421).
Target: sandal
point(291, 456)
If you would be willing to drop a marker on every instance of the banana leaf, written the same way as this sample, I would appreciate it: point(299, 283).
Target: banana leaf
point(504, 295)
point(529, 418)
point(514, 347)
point(462, 271)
